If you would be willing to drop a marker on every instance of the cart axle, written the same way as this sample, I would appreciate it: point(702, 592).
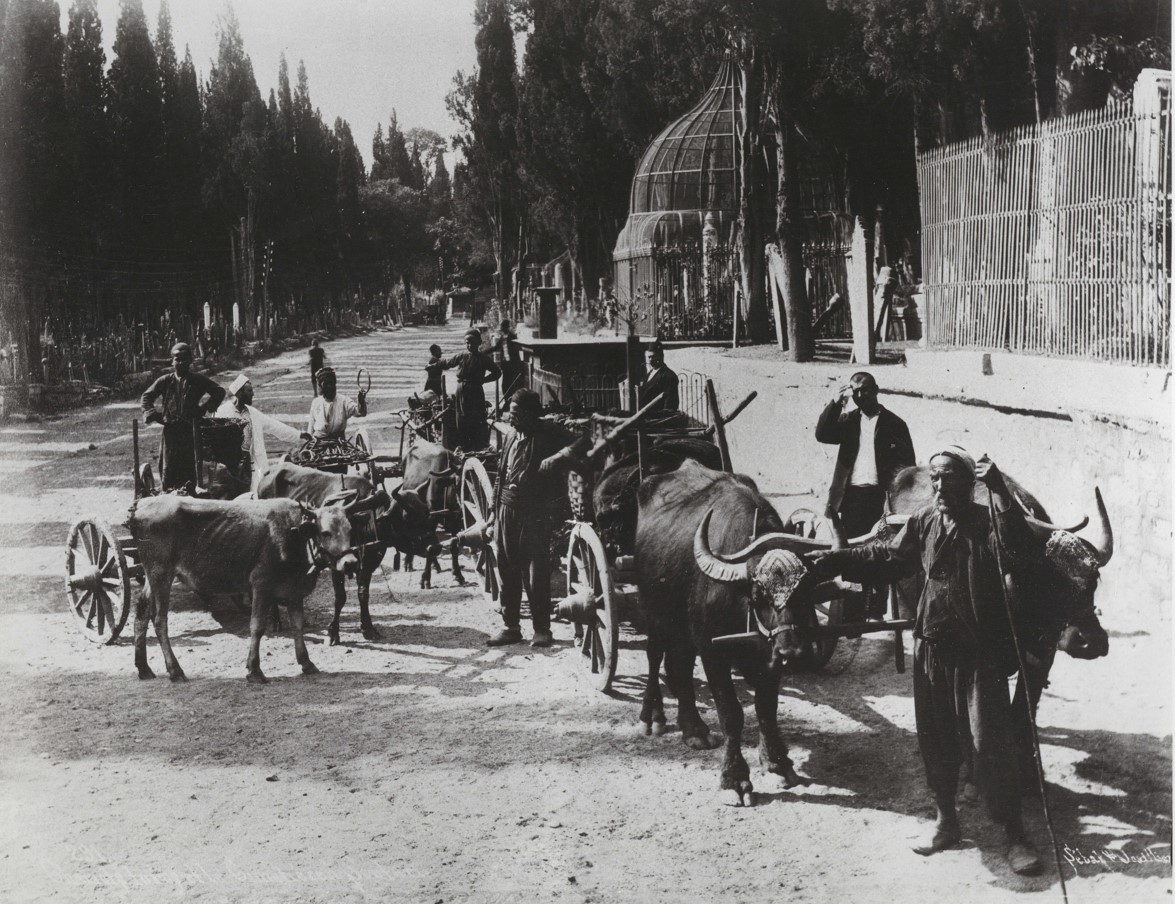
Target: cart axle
point(90, 579)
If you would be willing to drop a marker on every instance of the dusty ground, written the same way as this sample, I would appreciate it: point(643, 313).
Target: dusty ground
point(425, 767)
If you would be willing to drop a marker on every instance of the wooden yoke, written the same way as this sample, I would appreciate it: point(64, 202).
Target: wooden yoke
point(720, 422)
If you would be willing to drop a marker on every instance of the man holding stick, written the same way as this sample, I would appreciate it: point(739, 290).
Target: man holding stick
point(964, 645)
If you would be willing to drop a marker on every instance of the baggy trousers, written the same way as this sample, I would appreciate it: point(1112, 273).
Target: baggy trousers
point(523, 538)
point(958, 707)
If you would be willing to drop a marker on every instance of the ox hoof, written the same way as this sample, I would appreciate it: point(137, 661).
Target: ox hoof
point(177, 676)
point(742, 796)
point(970, 793)
point(658, 728)
point(256, 678)
point(145, 674)
point(707, 741)
point(334, 637)
point(309, 668)
point(370, 633)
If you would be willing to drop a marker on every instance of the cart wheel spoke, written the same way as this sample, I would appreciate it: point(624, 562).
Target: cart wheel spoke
point(98, 586)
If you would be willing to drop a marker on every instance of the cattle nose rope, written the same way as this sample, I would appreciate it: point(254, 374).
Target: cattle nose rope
point(1023, 671)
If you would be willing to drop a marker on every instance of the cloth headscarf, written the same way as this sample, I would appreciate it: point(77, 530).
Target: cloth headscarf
point(958, 454)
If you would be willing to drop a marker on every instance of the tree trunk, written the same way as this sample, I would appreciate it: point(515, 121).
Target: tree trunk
point(752, 266)
point(789, 228)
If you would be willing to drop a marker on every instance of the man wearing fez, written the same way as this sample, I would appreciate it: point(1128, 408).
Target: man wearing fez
point(184, 398)
point(474, 368)
point(529, 485)
point(964, 648)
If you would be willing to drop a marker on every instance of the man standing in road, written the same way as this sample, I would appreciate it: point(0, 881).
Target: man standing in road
point(474, 368)
point(185, 397)
point(317, 362)
point(526, 496)
point(964, 647)
point(874, 445)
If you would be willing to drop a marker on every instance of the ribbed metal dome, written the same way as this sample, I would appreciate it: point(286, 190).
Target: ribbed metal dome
point(689, 170)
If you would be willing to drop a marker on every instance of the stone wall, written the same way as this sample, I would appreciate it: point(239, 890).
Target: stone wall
point(1046, 422)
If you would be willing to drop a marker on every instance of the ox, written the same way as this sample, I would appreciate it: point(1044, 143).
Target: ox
point(1056, 589)
point(403, 524)
point(706, 608)
point(431, 468)
point(271, 549)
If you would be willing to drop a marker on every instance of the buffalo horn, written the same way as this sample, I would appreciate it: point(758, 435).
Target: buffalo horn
point(1045, 527)
point(733, 567)
point(713, 567)
point(1102, 536)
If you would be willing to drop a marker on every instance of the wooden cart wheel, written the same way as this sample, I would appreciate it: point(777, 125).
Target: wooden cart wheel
point(477, 494)
point(819, 652)
point(97, 580)
point(587, 574)
point(806, 523)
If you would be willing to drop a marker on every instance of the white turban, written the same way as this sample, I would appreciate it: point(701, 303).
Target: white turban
point(959, 454)
point(235, 386)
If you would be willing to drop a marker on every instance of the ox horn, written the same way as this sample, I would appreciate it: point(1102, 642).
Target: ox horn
point(1102, 536)
point(448, 472)
point(713, 567)
point(1046, 527)
point(733, 567)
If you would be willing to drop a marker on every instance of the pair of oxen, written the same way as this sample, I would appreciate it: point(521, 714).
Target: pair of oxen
point(693, 514)
point(272, 548)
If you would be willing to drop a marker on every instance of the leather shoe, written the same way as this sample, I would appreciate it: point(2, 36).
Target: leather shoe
point(542, 639)
point(1023, 858)
point(504, 637)
point(945, 836)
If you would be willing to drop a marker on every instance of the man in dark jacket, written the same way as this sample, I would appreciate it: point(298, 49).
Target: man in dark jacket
point(658, 380)
point(964, 647)
point(526, 496)
point(874, 445)
point(185, 398)
point(474, 368)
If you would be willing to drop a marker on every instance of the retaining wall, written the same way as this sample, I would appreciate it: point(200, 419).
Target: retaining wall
point(1059, 427)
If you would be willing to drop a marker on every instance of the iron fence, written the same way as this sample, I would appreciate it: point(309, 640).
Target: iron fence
point(1053, 239)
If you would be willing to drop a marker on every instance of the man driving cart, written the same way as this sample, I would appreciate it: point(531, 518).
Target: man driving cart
point(184, 398)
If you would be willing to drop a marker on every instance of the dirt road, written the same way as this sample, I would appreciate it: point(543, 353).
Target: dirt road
point(426, 767)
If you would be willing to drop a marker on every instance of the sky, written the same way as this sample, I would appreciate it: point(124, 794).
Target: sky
point(364, 58)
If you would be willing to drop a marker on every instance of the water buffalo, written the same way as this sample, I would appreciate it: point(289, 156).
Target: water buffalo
point(705, 608)
point(402, 523)
point(1056, 588)
point(271, 549)
point(434, 469)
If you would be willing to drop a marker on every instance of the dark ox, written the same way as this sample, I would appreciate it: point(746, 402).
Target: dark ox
point(1056, 590)
point(402, 524)
point(695, 597)
point(270, 549)
point(433, 469)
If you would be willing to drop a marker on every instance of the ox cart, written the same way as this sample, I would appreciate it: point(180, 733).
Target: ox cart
point(602, 591)
point(101, 561)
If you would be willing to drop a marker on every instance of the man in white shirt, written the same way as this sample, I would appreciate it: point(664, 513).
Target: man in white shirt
point(874, 445)
point(257, 423)
point(329, 412)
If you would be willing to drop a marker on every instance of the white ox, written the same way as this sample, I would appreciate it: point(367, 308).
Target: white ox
point(269, 548)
